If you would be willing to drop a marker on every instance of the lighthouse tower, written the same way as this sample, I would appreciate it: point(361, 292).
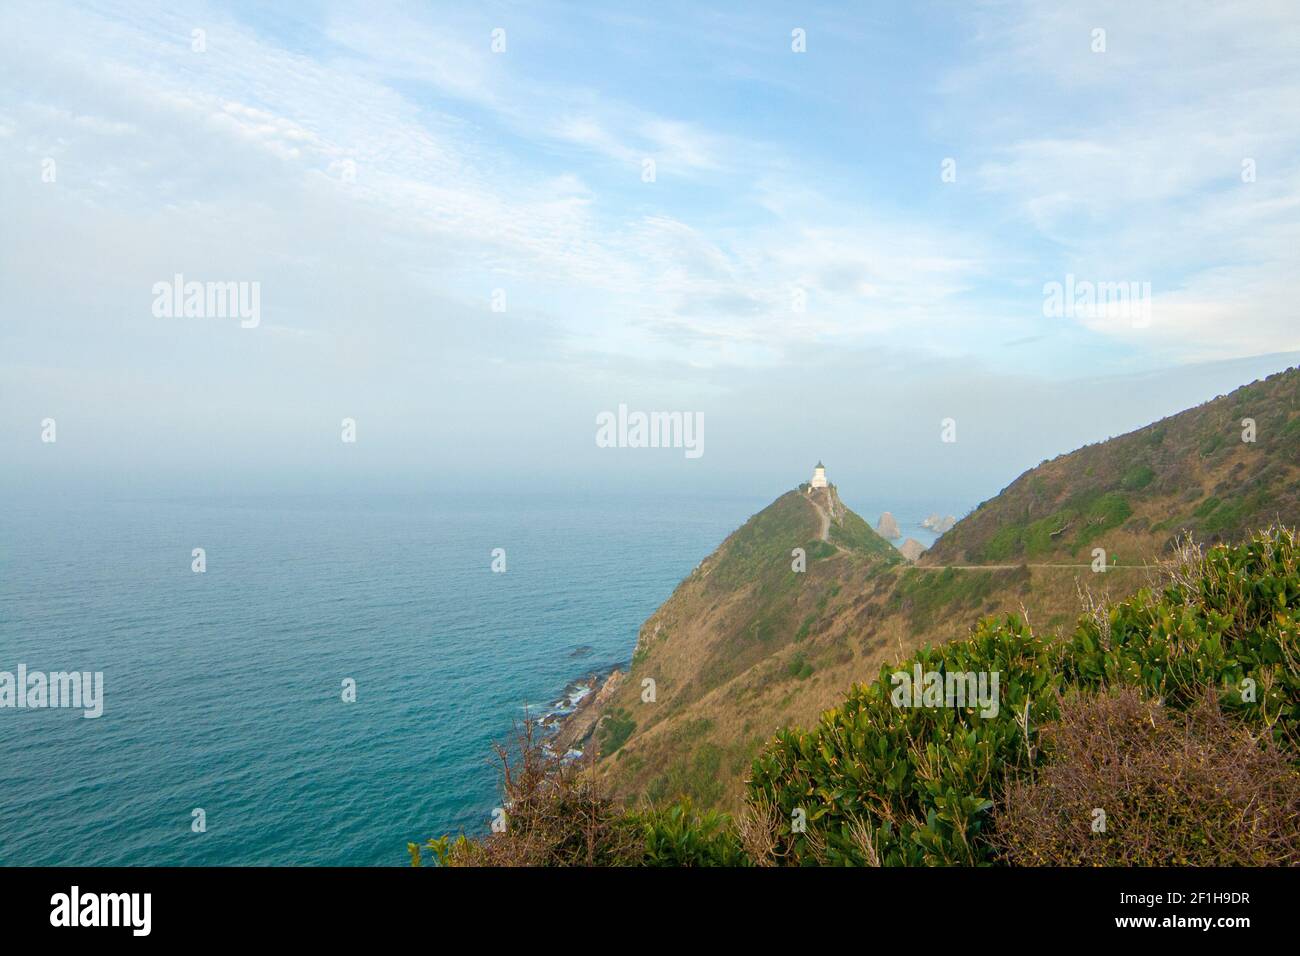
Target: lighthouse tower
point(819, 476)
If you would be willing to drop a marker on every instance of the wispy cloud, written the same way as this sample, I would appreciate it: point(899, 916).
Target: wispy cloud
point(395, 148)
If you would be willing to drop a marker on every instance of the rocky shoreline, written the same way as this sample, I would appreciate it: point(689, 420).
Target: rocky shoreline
point(572, 720)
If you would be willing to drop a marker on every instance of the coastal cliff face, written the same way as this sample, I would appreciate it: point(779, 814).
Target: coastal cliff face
point(756, 639)
point(749, 643)
point(699, 697)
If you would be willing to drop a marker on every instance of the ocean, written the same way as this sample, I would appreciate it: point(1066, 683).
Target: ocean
point(224, 690)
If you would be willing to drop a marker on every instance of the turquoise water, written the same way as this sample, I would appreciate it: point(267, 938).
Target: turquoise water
point(223, 690)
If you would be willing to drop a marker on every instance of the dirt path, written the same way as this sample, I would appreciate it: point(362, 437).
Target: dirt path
point(825, 534)
point(1007, 567)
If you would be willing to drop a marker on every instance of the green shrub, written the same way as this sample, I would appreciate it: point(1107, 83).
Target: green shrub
point(1108, 511)
point(679, 835)
point(895, 785)
point(614, 730)
point(1137, 478)
point(919, 779)
point(1227, 616)
point(817, 550)
point(799, 668)
point(1229, 515)
point(1206, 507)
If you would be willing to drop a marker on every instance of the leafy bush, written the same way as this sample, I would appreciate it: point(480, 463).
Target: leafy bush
point(894, 785)
point(680, 836)
point(917, 780)
point(1226, 616)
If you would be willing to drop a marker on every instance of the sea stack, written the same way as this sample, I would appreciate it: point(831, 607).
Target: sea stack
point(888, 527)
point(911, 549)
point(935, 523)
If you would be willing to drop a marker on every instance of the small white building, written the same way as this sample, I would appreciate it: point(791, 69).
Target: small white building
point(819, 476)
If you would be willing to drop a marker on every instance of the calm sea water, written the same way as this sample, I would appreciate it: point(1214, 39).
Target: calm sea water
point(223, 690)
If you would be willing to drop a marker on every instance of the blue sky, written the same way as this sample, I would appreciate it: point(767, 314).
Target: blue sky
point(380, 171)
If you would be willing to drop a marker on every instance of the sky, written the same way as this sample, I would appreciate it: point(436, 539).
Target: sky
point(824, 228)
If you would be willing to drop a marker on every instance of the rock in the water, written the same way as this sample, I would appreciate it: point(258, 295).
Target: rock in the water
point(911, 549)
point(888, 527)
point(936, 523)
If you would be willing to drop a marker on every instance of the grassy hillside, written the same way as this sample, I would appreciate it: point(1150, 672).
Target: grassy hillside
point(1175, 714)
point(746, 646)
point(1135, 494)
point(743, 614)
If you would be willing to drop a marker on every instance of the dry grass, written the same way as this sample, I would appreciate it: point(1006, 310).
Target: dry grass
point(558, 813)
point(1177, 789)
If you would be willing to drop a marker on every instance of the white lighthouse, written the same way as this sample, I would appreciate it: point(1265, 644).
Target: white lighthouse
point(819, 476)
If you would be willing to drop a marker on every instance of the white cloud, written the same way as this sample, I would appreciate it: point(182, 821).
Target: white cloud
point(455, 171)
point(1130, 161)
